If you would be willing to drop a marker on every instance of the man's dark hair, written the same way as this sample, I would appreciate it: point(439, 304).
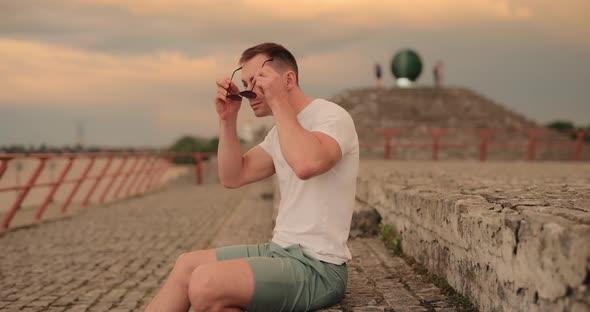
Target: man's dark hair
point(281, 56)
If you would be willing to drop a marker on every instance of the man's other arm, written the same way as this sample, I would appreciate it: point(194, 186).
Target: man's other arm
point(308, 153)
point(236, 169)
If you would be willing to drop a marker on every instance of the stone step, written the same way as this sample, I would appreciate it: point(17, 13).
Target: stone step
point(511, 236)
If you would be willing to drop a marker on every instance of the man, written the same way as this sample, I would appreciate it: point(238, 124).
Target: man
point(378, 73)
point(437, 74)
point(313, 148)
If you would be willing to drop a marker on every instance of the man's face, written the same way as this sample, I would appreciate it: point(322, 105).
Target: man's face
point(249, 68)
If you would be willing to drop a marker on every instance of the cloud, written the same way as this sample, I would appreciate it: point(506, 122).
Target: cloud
point(334, 69)
point(416, 14)
point(40, 75)
point(172, 88)
point(367, 12)
point(160, 57)
point(199, 28)
point(33, 72)
point(564, 21)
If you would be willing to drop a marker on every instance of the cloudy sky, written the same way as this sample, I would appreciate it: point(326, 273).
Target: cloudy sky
point(143, 72)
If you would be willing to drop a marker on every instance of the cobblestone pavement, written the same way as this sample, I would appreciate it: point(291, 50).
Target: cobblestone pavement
point(109, 258)
point(380, 281)
point(115, 258)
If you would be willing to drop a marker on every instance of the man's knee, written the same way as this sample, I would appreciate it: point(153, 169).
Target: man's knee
point(187, 262)
point(202, 292)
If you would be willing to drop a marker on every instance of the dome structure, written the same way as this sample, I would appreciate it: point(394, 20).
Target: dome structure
point(406, 67)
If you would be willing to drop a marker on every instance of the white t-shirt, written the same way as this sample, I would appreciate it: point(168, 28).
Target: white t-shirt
point(316, 213)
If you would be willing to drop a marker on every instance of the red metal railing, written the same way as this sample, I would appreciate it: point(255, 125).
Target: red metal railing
point(528, 140)
point(138, 173)
point(143, 175)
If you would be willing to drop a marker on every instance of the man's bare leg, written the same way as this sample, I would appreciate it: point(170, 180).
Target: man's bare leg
point(173, 296)
point(221, 286)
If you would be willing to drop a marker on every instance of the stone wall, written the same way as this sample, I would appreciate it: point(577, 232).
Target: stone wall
point(512, 236)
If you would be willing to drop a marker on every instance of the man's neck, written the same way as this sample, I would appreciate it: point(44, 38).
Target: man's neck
point(298, 100)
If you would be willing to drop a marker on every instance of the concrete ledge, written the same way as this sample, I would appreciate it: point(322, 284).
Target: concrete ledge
point(510, 236)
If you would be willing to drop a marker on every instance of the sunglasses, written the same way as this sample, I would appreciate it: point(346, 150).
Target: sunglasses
point(246, 93)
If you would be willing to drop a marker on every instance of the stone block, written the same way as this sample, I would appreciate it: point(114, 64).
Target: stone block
point(508, 235)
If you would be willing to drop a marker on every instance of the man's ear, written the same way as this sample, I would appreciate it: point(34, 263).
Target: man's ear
point(291, 79)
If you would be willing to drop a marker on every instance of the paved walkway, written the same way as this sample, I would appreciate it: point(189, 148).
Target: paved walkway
point(115, 258)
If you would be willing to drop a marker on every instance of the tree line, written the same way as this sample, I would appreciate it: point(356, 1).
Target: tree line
point(569, 127)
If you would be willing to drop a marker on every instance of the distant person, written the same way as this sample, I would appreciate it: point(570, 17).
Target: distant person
point(313, 149)
point(437, 73)
point(378, 74)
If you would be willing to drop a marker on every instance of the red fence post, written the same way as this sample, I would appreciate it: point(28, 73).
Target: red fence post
point(23, 193)
point(199, 167)
point(135, 178)
point(112, 182)
point(3, 166)
point(98, 179)
point(435, 143)
point(579, 144)
point(54, 188)
point(77, 186)
point(483, 145)
point(126, 177)
point(388, 136)
point(533, 134)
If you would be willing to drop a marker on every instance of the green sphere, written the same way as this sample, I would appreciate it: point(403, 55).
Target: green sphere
point(406, 64)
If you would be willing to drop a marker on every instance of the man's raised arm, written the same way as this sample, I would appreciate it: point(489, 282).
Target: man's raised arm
point(234, 168)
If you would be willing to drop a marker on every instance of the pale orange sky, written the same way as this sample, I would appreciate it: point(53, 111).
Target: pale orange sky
point(143, 72)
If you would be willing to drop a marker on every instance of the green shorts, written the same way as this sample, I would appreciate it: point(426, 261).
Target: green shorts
point(286, 279)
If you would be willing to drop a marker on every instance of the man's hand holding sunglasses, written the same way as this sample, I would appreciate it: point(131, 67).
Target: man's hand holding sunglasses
point(272, 85)
point(226, 107)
